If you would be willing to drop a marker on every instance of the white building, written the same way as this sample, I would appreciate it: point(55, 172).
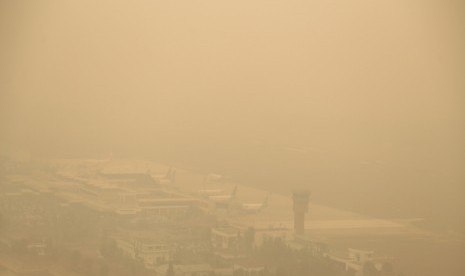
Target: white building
point(151, 252)
point(354, 260)
point(225, 237)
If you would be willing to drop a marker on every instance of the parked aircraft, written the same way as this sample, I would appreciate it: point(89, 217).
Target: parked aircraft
point(210, 192)
point(168, 178)
point(223, 198)
point(254, 207)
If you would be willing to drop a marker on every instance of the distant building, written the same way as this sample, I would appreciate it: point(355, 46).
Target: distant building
point(150, 251)
point(225, 241)
point(225, 237)
point(317, 247)
point(186, 270)
point(300, 198)
point(248, 267)
point(357, 261)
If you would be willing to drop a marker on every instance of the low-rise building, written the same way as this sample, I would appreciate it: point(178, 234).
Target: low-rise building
point(226, 237)
point(186, 270)
point(150, 250)
point(357, 261)
point(248, 267)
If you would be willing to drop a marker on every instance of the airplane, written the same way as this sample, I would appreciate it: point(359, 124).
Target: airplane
point(91, 162)
point(83, 165)
point(223, 198)
point(217, 178)
point(167, 178)
point(210, 192)
point(107, 158)
point(211, 178)
point(254, 207)
point(214, 178)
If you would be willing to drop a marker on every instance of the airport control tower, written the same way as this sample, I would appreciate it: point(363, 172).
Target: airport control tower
point(300, 198)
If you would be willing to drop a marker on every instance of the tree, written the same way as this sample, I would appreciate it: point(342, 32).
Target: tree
point(103, 269)
point(170, 270)
point(75, 259)
point(369, 269)
point(249, 239)
point(387, 269)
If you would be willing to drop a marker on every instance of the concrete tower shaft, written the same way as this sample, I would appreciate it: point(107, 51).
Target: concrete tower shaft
point(301, 199)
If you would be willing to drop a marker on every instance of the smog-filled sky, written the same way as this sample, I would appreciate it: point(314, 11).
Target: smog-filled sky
point(362, 100)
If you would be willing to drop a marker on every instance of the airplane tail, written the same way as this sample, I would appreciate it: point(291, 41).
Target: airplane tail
point(109, 158)
point(171, 174)
point(233, 193)
point(168, 173)
point(265, 201)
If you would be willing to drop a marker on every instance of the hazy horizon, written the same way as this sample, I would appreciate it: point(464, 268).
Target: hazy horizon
point(363, 101)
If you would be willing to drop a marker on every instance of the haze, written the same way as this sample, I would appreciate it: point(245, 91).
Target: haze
point(362, 102)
